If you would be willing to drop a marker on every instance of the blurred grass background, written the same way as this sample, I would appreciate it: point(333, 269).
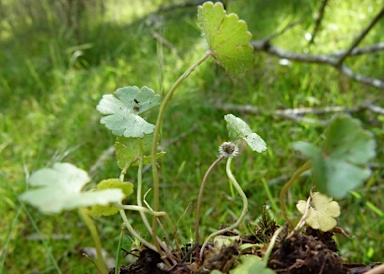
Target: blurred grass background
point(57, 58)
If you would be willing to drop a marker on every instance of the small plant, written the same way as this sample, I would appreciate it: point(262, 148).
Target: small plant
point(337, 167)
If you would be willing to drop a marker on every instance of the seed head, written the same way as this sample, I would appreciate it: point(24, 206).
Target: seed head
point(228, 149)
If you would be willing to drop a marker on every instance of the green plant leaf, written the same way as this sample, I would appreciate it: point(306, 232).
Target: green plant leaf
point(107, 210)
point(238, 129)
point(251, 264)
point(59, 188)
point(341, 164)
point(322, 212)
point(128, 150)
point(222, 240)
point(122, 111)
point(227, 38)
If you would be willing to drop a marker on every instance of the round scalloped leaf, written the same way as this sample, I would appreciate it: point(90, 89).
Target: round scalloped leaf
point(59, 189)
point(322, 212)
point(107, 210)
point(122, 111)
point(341, 164)
point(128, 151)
point(227, 37)
point(238, 129)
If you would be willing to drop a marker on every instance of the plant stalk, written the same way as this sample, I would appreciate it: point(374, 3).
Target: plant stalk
point(200, 197)
point(117, 268)
point(243, 212)
point(96, 239)
point(287, 186)
point(134, 233)
point(156, 135)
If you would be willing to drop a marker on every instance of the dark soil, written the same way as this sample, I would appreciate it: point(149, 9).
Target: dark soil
point(310, 251)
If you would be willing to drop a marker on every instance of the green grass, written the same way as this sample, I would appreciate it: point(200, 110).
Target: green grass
point(52, 76)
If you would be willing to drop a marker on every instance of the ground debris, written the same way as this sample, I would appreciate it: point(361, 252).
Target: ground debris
point(306, 254)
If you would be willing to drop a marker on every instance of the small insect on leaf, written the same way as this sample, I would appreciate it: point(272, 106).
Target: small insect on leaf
point(122, 111)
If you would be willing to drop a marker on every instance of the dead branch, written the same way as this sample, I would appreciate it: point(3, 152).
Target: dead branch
point(333, 59)
point(296, 114)
point(319, 19)
point(361, 36)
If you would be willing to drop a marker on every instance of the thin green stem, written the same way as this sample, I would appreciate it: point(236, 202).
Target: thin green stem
point(272, 244)
point(200, 197)
point(140, 204)
point(124, 170)
point(156, 136)
point(117, 268)
point(243, 212)
point(140, 208)
point(270, 197)
point(9, 237)
point(36, 228)
point(153, 213)
point(287, 186)
point(96, 239)
point(134, 233)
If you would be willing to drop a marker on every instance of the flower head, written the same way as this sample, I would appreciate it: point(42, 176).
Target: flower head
point(228, 149)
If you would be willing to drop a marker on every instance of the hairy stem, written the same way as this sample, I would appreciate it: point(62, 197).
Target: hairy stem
point(96, 239)
point(287, 186)
point(243, 212)
point(156, 135)
point(200, 197)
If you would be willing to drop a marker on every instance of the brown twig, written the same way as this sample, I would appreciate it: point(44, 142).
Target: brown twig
point(361, 36)
point(333, 59)
point(319, 19)
point(327, 59)
point(296, 114)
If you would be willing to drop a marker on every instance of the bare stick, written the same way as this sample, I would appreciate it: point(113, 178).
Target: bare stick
point(361, 36)
point(296, 113)
point(319, 19)
point(326, 59)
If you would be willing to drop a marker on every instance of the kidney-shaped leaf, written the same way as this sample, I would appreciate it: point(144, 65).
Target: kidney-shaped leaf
point(341, 164)
point(59, 188)
point(227, 37)
point(122, 111)
point(238, 129)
